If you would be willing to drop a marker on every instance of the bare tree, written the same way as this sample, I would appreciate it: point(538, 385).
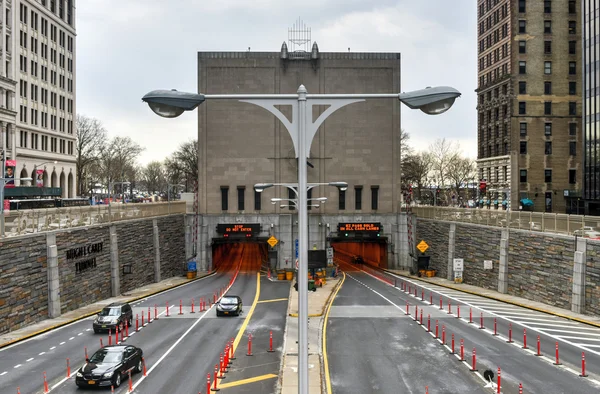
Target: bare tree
point(443, 153)
point(154, 177)
point(182, 166)
point(416, 169)
point(460, 171)
point(91, 136)
point(115, 157)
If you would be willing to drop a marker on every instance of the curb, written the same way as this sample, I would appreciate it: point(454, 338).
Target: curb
point(81, 317)
point(324, 307)
point(533, 308)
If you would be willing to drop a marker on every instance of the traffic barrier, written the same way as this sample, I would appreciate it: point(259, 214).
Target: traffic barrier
point(232, 354)
point(520, 388)
point(557, 361)
point(583, 375)
point(428, 323)
point(68, 369)
point(122, 339)
point(112, 389)
point(214, 298)
point(443, 334)
point(192, 306)
point(143, 319)
point(474, 365)
point(539, 350)
point(180, 307)
point(155, 312)
point(270, 342)
point(452, 351)
point(207, 383)
point(149, 319)
point(144, 364)
point(415, 291)
point(216, 377)
point(409, 289)
point(470, 315)
point(222, 373)
point(462, 350)
point(458, 311)
point(430, 298)
point(407, 311)
point(45, 383)
point(422, 294)
point(449, 307)
point(109, 337)
point(85, 352)
point(436, 330)
point(417, 313)
point(509, 333)
point(226, 359)
point(495, 327)
point(498, 384)
point(249, 345)
point(167, 308)
point(426, 389)
point(130, 382)
point(126, 329)
point(116, 335)
point(481, 327)
point(18, 390)
point(137, 322)
point(101, 344)
point(421, 321)
point(525, 339)
point(441, 303)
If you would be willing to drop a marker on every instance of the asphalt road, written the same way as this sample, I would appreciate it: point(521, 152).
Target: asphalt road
point(537, 374)
point(25, 363)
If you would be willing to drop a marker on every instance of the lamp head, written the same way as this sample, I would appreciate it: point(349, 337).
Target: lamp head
point(432, 101)
point(171, 103)
point(260, 187)
point(343, 186)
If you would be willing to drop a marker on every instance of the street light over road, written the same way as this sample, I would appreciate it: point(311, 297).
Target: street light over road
point(302, 129)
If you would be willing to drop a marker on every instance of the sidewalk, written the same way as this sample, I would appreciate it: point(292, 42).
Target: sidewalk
point(92, 309)
point(493, 294)
point(317, 304)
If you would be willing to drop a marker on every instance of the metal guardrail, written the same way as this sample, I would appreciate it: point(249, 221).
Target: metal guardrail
point(581, 225)
point(40, 220)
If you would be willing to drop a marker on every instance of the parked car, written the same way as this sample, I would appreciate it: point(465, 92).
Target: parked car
point(114, 315)
point(230, 305)
point(580, 232)
point(109, 365)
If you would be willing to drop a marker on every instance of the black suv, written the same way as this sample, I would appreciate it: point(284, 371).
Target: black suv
point(113, 315)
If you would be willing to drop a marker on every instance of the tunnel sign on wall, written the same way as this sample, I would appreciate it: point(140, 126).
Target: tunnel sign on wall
point(272, 241)
point(422, 246)
point(458, 265)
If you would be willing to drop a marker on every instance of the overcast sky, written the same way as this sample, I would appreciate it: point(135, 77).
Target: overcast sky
point(126, 48)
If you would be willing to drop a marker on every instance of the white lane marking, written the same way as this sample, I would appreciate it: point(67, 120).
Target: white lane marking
point(529, 327)
point(550, 323)
point(17, 366)
point(70, 339)
point(573, 332)
point(29, 359)
point(580, 338)
point(524, 317)
point(62, 343)
point(94, 316)
point(80, 334)
point(3, 373)
point(53, 347)
point(587, 345)
point(41, 353)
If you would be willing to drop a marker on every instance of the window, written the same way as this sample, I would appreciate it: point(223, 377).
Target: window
point(572, 7)
point(506, 148)
point(522, 67)
point(523, 176)
point(522, 26)
point(241, 192)
point(547, 68)
point(572, 148)
point(309, 198)
point(374, 197)
point(572, 68)
point(522, 47)
point(291, 196)
point(522, 107)
point(572, 108)
point(548, 108)
point(572, 176)
point(522, 87)
point(547, 87)
point(521, 5)
point(548, 148)
point(572, 47)
point(523, 147)
point(548, 129)
point(523, 129)
point(341, 200)
point(358, 197)
point(547, 27)
point(572, 128)
point(572, 27)
point(224, 198)
point(573, 88)
point(548, 176)
point(547, 6)
point(257, 201)
point(547, 47)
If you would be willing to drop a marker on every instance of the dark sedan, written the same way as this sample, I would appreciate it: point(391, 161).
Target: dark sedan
point(230, 305)
point(109, 365)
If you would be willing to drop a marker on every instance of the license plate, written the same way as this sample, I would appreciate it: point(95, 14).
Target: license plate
point(92, 382)
point(227, 313)
point(103, 326)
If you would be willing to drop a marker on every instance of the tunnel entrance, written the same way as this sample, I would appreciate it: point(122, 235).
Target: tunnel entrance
point(250, 254)
point(360, 242)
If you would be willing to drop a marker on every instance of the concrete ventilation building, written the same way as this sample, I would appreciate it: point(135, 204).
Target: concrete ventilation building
point(591, 108)
point(37, 89)
point(241, 144)
point(529, 102)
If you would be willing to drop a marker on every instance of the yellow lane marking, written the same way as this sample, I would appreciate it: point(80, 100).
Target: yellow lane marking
point(238, 338)
point(325, 360)
point(249, 380)
point(275, 300)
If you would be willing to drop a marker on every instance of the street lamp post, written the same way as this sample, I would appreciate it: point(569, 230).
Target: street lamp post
point(3, 182)
point(302, 129)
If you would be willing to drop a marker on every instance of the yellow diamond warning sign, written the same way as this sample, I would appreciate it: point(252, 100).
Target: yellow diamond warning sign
point(272, 241)
point(422, 246)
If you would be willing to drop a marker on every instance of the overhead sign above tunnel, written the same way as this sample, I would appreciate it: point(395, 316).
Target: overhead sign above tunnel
point(247, 229)
point(370, 227)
